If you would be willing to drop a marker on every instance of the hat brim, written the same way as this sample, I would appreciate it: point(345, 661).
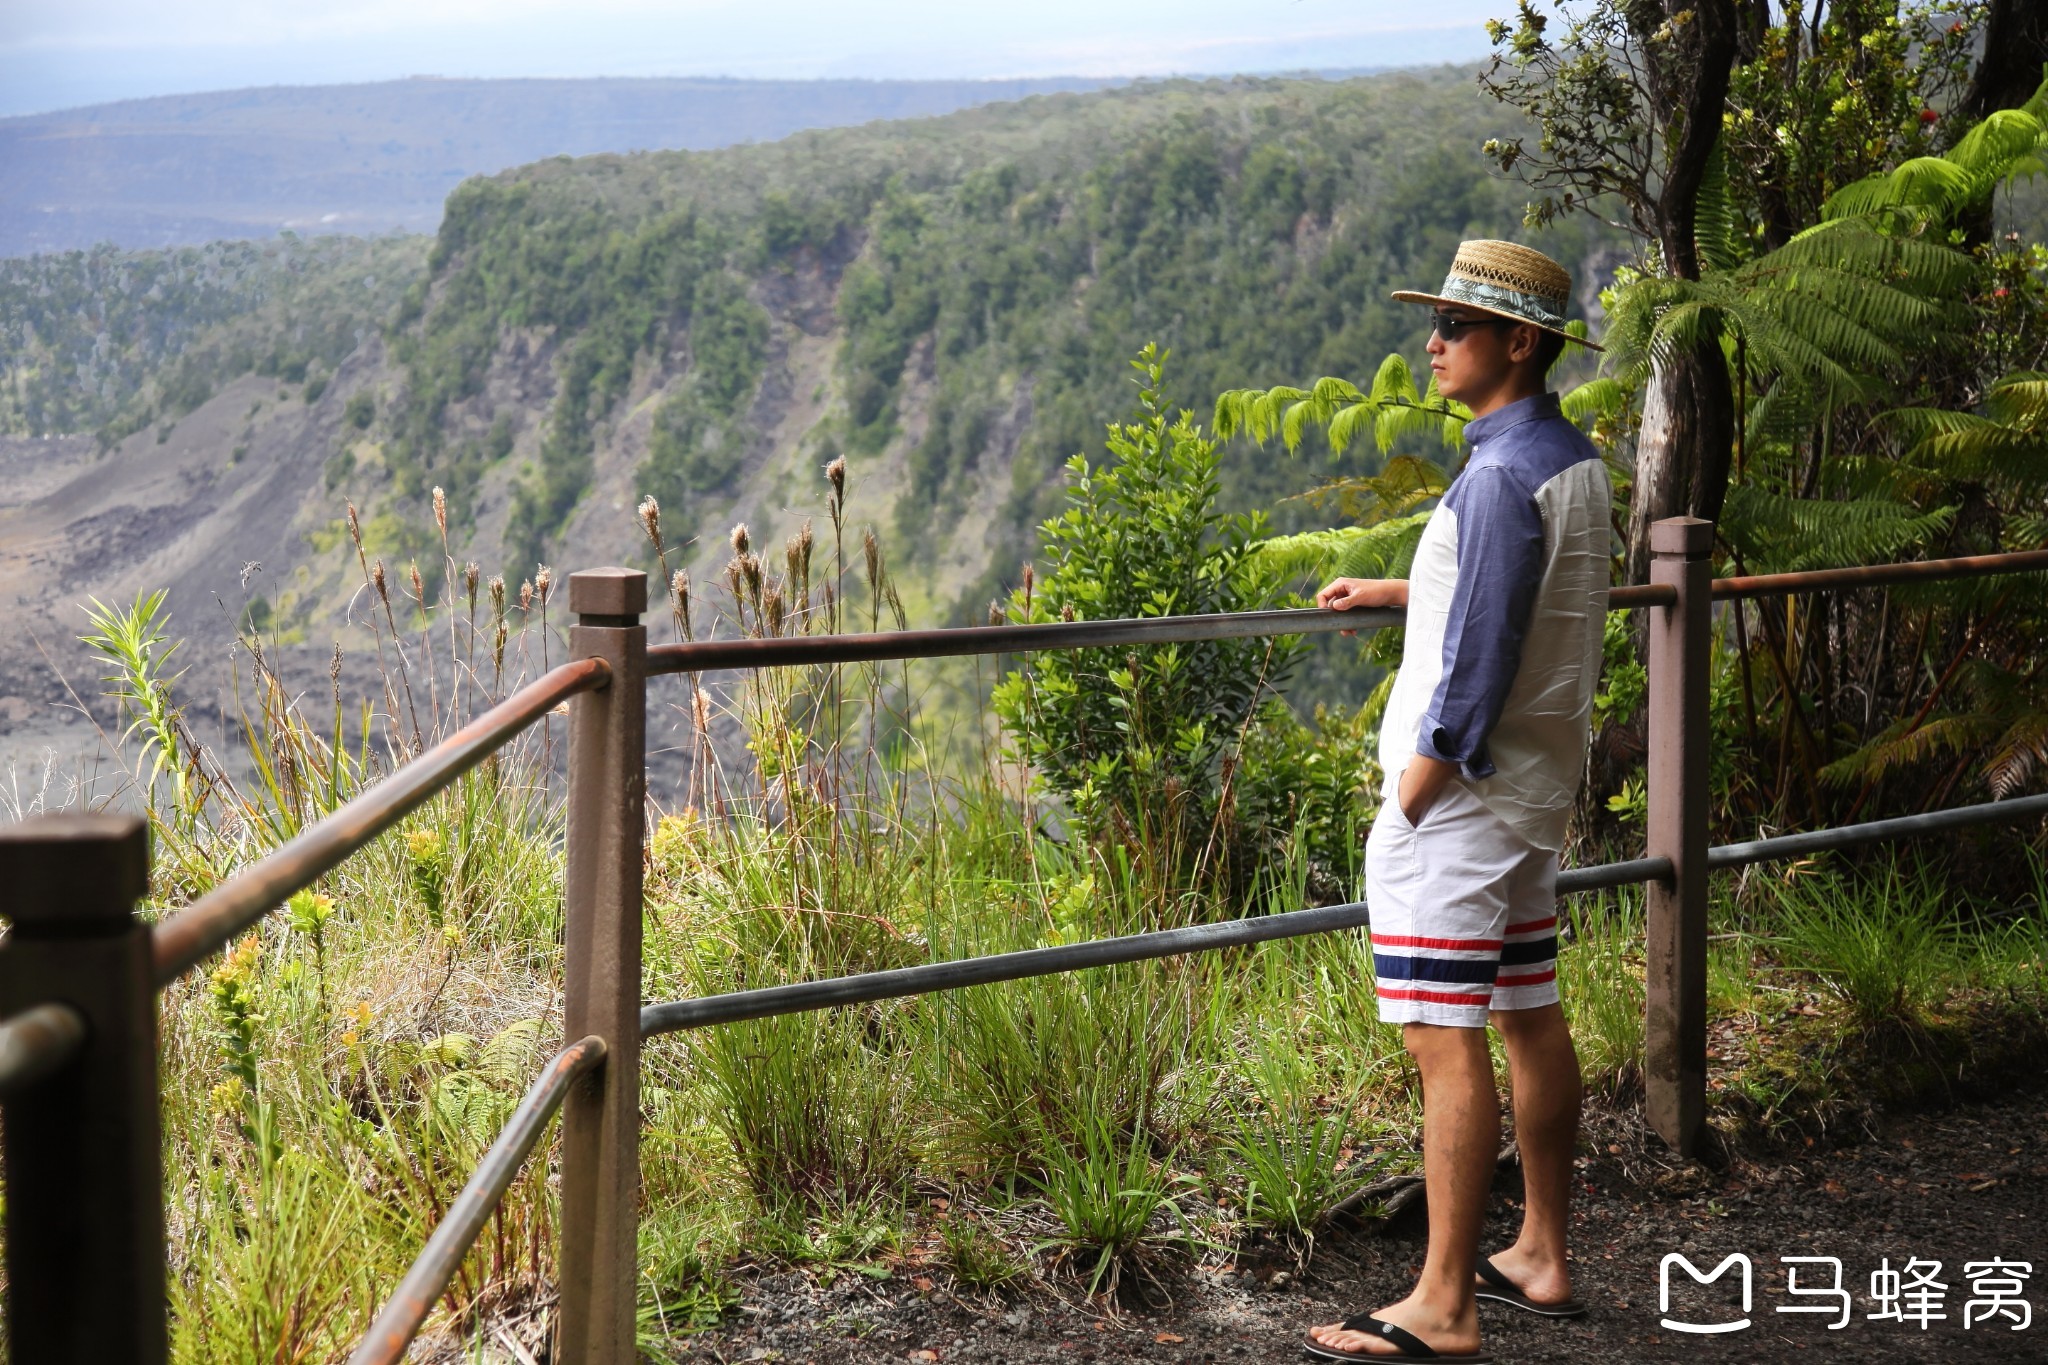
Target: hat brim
point(1412, 296)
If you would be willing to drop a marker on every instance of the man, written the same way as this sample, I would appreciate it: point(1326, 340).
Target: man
point(1483, 745)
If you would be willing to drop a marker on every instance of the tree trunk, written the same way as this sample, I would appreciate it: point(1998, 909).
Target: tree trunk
point(1682, 450)
point(2015, 48)
point(1688, 414)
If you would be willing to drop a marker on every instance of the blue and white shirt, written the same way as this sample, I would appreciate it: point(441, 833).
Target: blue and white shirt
point(1507, 604)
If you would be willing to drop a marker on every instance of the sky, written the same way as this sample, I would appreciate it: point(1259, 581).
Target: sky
point(57, 54)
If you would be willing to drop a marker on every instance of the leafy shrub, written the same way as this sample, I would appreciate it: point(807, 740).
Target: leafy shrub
point(1136, 740)
point(1311, 789)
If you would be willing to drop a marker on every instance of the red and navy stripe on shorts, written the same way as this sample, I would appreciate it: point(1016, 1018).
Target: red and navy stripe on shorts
point(1465, 971)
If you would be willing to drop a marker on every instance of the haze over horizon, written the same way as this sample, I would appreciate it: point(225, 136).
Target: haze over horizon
point(56, 56)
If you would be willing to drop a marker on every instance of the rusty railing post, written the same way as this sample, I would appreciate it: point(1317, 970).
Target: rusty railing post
point(1675, 1042)
point(602, 930)
point(84, 1148)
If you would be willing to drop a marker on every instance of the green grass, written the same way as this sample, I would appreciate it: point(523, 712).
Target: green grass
point(1886, 950)
point(1600, 978)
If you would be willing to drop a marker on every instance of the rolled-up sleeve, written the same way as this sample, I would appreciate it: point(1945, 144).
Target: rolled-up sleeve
point(1500, 564)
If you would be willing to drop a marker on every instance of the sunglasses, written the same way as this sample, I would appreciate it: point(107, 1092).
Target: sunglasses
point(1451, 329)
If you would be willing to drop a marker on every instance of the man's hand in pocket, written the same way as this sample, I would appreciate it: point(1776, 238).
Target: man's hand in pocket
point(1421, 781)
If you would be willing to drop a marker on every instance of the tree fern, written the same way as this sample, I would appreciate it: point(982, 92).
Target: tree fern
point(2004, 447)
point(1776, 533)
point(1829, 311)
point(1935, 189)
point(1901, 747)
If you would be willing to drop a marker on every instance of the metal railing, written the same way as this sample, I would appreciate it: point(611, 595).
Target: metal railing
point(80, 974)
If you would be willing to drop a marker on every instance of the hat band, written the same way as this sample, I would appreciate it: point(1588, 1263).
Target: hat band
point(1499, 298)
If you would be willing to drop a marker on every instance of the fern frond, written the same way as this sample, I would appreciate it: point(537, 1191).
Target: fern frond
point(1384, 550)
point(1601, 397)
point(1776, 533)
point(1897, 747)
point(2018, 754)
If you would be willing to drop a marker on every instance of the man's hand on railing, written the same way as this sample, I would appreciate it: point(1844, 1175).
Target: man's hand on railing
point(1349, 594)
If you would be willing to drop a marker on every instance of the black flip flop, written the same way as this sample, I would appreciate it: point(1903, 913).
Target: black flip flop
point(1413, 1348)
point(1501, 1289)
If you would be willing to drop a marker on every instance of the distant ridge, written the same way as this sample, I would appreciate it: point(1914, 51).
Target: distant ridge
point(381, 157)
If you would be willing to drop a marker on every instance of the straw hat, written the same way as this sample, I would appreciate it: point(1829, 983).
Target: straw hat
point(1509, 281)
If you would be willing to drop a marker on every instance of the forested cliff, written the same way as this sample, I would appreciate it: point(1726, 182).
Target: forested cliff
point(947, 302)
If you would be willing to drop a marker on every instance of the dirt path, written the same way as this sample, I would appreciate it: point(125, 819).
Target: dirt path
point(1968, 1184)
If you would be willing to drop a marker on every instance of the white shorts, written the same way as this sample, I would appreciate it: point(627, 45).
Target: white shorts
point(1464, 913)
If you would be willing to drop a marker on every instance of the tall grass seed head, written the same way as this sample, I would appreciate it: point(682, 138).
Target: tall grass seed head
point(650, 519)
point(739, 538)
point(471, 572)
point(871, 552)
point(543, 579)
point(526, 595)
point(773, 607)
point(835, 474)
point(441, 511)
point(355, 527)
point(377, 582)
point(419, 587)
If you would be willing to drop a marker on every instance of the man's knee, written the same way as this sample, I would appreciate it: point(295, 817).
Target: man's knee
point(1538, 1023)
point(1429, 1043)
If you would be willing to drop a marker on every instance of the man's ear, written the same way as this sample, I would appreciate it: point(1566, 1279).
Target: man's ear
point(1523, 343)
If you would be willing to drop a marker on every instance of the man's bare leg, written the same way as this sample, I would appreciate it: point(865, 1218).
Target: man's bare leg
point(1543, 1069)
point(1460, 1142)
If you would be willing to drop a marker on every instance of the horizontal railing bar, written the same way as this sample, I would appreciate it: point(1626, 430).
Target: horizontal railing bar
point(978, 971)
point(981, 971)
point(399, 1322)
point(36, 1042)
point(204, 927)
point(955, 641)
point(1606, 876)
point(1872, 575)
point(1875, 831)
point(700, 656)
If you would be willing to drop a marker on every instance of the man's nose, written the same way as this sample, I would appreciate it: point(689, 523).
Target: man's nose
point(1435, 344)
